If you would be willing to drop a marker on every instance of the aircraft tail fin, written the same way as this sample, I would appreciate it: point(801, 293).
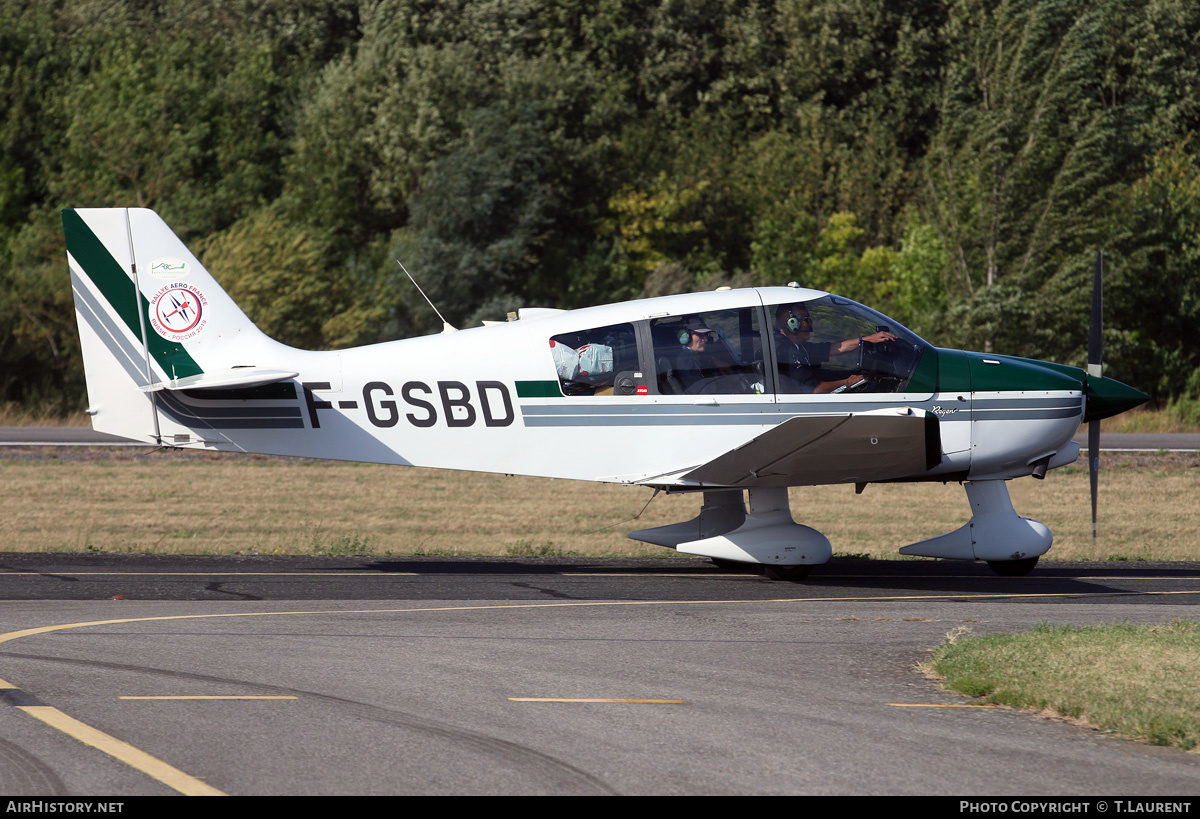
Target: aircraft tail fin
point(153, 321)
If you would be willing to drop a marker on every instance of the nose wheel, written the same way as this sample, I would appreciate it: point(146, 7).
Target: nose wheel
point(793, 573)
point(1013, 568)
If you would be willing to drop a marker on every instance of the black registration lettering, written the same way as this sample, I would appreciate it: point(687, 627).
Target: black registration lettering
point(390, 414)
point(485, 404)
point(452, 405)
point(407, 391)
point(313, 403)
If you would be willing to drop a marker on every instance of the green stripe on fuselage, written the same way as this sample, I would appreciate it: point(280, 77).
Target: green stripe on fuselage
point(118, 290)
point(538, 389)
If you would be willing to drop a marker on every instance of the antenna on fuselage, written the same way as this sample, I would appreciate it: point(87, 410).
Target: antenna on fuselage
point(447, 327)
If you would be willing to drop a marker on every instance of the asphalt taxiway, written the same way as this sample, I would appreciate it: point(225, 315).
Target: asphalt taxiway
point(269, 675)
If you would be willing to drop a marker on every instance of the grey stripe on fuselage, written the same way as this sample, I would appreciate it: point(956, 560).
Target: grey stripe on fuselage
point(1074, 402)
point(759, 419)
point(1024, 414)
point(645, 409)
point(948, 409)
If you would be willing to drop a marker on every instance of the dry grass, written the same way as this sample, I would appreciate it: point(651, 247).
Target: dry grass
point(1148, 511)
point(1171, 418)
point(173, 503)
point(75, 500)
point(13, 414)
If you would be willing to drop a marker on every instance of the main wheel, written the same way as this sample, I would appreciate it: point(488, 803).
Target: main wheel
point(1013, 568)
point(787, 572)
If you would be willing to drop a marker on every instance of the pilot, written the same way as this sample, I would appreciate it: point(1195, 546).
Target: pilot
point(800, 359)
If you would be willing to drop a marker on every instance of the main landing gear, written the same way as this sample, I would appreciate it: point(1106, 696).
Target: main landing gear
point(732, 535)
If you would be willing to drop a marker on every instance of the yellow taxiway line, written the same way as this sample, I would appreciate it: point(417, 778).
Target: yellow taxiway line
point(207, 697)
point(136, 758)
point(594, 699)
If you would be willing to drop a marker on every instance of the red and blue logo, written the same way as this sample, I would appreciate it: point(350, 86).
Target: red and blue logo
point(177, 311)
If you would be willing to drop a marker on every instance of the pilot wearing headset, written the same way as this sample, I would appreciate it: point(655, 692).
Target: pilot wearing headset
point(800, 359)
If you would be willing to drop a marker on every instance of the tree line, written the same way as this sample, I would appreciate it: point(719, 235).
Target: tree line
point(955, 164)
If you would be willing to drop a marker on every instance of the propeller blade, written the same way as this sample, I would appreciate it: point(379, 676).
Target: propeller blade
point(1095, 357)
point(1094, 469)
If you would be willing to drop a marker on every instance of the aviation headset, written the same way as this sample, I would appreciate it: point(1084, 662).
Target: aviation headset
point(685, 335)
point(794, 322)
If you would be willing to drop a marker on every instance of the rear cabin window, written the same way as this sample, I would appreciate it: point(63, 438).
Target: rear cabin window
point(714, 353)
point(589, 362)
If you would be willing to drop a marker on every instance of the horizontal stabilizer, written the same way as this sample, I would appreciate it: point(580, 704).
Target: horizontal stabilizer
point(235, 379)
point(825, 449)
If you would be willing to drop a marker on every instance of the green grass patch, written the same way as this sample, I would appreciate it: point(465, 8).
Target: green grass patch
point(527, 548)
point(1137, 681)
point(340, 545)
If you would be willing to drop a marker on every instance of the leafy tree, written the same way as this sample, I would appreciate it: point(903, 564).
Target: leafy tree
point(956, 164)
point(275, 272)
point(482, 222)
point(137, 127)
point(1026, 162)
point(1153, 299)
point(40, 363)
point(918, 297)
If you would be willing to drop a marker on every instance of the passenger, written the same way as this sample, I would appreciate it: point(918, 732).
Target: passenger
point(800, 359)
point(694, 361)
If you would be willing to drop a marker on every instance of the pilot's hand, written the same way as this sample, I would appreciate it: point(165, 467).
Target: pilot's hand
point(880, 337)
point(848, 383)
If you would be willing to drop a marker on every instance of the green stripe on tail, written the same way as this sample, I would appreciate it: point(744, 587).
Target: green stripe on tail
point(118, 290)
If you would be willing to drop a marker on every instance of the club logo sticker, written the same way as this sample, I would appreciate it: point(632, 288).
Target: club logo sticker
point(177, 311)
point(168, 268)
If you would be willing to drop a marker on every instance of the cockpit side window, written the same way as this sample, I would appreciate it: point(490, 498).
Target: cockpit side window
point(713, 353)
point(599, 361)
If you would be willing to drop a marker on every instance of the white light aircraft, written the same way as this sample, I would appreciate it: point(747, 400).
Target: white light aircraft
point(728, 392)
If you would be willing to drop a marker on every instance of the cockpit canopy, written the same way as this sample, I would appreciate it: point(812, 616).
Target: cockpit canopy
point(739, 351)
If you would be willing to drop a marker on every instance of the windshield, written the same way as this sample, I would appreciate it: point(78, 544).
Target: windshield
point(834, 345)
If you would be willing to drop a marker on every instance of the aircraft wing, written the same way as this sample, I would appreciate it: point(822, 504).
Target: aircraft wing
point(823, 449)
